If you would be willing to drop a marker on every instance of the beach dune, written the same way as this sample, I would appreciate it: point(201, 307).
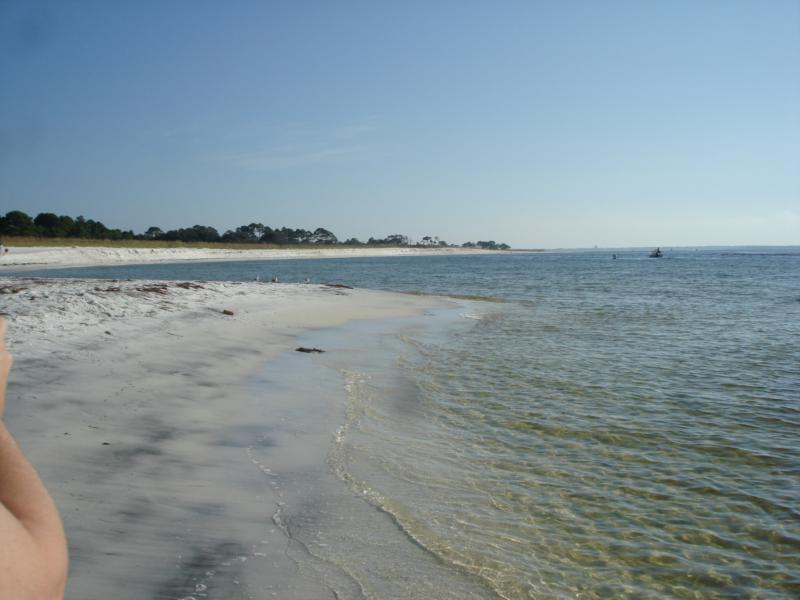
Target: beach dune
point(75, 256)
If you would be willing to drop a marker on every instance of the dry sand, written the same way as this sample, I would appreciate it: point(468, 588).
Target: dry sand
point(38, 257)
point(132, 399)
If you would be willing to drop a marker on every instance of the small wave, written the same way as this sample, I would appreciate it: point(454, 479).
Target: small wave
point(472, 316)
point(475, 297)
point(357, 397)
point(489, 316)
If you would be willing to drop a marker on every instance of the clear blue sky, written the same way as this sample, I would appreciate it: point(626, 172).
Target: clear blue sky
point(541, 124)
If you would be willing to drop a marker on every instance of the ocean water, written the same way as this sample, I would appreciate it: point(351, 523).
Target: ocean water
point(601, 428)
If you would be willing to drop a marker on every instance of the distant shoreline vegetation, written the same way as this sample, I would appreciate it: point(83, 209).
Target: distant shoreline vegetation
point(51, 227)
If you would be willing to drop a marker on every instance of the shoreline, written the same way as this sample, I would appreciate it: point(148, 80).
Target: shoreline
point(36, 257)
point(136, 407)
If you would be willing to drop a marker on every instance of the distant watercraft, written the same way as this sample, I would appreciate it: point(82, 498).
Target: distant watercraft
point(656, 253)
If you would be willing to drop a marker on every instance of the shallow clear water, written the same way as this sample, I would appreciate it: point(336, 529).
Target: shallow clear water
point(615, 428)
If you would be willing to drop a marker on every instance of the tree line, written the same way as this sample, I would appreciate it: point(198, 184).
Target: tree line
point(50, 225)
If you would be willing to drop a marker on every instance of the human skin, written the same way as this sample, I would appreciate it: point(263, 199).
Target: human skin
point(33, 549)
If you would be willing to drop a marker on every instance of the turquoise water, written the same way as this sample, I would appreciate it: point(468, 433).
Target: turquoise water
point(613, 428)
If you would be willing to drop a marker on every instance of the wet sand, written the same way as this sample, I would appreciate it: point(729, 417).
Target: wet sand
point(137, 408)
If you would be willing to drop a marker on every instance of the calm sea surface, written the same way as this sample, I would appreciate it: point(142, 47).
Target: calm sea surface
point(611, 429)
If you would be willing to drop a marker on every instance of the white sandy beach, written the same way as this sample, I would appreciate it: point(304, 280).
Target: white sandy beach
point(76, 256)
point(133, 399)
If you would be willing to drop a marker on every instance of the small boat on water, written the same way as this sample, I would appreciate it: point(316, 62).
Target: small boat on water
point(656, 253)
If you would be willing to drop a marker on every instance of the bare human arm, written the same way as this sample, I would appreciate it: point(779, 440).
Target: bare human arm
point(33, 549)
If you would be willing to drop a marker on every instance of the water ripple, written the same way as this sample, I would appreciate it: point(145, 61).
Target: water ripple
point(632, 438)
